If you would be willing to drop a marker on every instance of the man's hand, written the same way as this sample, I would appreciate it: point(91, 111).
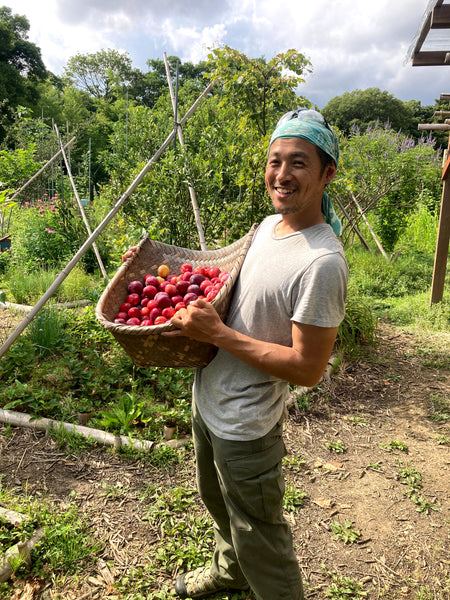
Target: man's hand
point(129, 253)
point(199, 321)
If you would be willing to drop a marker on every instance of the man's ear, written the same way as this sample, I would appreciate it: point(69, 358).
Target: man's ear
point(330, 172)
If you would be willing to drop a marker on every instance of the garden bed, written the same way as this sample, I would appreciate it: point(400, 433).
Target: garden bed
point(348, 453)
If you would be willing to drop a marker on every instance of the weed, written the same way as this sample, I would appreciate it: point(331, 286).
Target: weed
point(335, 446)
point(413, 479)
point(71, 441)
point(113, 491)
point(187, 544)
point(442, 439)
point(374, 466)
point(344, 531)
point(172, 500)
point(122, 416)
point(394, 445)
point(344, 588)
point(294, 463)
point(164, 455)
point(361, 421)
point(66, 545)
point(293, 499)
point(440, 408)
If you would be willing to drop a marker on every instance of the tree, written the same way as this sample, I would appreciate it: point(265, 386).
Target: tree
point(21, 66)
point(260, 89)
point(146, 88)
point(102, 74)
point(360, 108)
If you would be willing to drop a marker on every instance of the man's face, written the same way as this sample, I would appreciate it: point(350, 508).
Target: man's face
point(294, 177)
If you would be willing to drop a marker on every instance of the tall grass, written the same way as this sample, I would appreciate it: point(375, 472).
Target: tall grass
point(47, 330)
point(27, 288)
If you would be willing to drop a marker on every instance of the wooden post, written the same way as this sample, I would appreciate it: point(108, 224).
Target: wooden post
point(443, 236)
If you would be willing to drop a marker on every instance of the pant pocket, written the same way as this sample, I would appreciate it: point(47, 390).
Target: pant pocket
point(256, 483)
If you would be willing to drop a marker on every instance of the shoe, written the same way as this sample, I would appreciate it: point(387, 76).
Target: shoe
point(200, 584)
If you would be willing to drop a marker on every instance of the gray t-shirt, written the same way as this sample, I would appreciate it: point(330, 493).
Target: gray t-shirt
point(299, 277)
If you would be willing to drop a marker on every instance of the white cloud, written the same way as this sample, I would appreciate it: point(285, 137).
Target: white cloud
point(351, 44)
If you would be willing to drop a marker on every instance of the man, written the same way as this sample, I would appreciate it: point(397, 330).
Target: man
point(282, 325)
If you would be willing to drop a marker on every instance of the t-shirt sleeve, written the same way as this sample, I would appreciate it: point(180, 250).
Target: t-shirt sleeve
point(322, 290)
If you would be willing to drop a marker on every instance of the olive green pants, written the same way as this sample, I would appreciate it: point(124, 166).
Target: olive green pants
point(242, 486)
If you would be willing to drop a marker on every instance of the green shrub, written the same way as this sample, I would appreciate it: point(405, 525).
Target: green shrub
point(358, 327)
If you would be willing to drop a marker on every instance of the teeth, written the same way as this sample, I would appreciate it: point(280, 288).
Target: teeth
point(283, 191)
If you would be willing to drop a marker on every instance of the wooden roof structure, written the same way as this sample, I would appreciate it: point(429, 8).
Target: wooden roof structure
point(431, 44)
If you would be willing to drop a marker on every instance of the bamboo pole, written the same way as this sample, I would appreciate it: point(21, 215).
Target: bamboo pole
point(106, 438)
point(60, 278)
point(80, 206)
point(49, 162)
point(374, 235)
point(352, 224)
point(180, 137)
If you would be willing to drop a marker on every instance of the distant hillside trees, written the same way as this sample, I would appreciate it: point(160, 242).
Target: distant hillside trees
point(21, 66)
point(370, 107)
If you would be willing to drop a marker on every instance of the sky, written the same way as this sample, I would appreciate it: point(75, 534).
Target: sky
point(352, 44)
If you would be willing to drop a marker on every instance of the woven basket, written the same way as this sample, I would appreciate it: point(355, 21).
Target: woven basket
point(145, 345)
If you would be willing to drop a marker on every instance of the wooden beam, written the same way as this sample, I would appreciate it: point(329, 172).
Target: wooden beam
point(429, 58)
point(444, 97)
point(432, 126)
point(440, 17)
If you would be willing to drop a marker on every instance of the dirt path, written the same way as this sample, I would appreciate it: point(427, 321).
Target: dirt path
point(350, 453)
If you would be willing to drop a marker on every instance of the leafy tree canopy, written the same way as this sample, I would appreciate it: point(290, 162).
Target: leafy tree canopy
point(361, 108)
point(21, 66)
point(101, 74)
point(258, 88)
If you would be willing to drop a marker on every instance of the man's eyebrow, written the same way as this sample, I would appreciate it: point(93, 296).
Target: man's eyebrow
point(294, 154)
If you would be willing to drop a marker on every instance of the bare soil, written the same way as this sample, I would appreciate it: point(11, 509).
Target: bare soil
point(377, 410)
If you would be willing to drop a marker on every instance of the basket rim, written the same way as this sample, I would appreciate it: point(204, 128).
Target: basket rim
point(140, 330)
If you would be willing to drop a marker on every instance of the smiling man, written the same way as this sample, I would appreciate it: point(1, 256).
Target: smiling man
point(281, 328)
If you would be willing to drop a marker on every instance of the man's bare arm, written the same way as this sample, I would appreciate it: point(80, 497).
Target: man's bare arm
point(301, 364)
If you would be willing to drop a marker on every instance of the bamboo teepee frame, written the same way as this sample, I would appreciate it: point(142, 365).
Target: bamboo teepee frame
point(95, 234)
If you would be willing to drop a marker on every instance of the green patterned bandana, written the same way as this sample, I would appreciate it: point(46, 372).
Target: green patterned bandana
point(311, 126)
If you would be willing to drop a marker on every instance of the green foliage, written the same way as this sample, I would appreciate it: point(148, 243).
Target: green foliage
point(21, 65)
point(48, 233)
point(47, 331)
point(358, 327)
point(344, 588)
point(395, 445)
point(344, 532)
point(440, 408)
point(293, 499)
point(361, 108)
point(123, 415)
point(335, 446)
point(258, 88)
point(389, 174)
point(372, 276)
point(66, 545)
point(410, 476)
point(28, 289)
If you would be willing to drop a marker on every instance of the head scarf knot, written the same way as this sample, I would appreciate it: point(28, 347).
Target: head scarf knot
point(311, 126)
